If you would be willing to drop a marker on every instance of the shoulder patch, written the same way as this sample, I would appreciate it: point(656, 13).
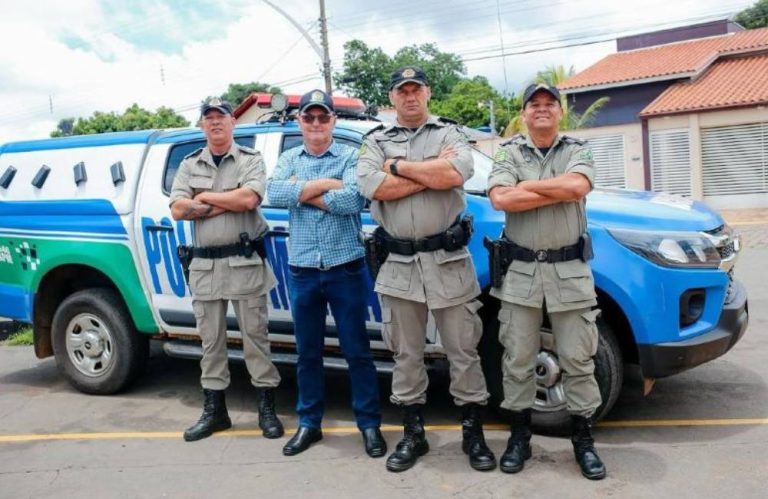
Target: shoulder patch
point(573, 140)
point(194, 153)
point(247, 150)
point(380, 126)
point(586, 154)
point(501, 155)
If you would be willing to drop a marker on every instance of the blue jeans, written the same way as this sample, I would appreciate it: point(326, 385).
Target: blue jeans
point(345, 289)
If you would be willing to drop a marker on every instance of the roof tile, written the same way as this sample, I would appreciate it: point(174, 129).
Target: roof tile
point(680, 58)
point(729, 82)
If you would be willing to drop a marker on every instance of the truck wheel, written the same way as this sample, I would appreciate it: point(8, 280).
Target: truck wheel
point(550, 415)
point(96, 345)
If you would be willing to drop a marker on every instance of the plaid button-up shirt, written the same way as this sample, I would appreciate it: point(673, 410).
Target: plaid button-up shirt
point(319, 238)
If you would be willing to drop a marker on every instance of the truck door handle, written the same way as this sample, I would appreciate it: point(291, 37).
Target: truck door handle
point(166, 228)
point(279, 231)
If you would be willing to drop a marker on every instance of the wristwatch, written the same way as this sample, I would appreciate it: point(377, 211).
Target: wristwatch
point(393, 168)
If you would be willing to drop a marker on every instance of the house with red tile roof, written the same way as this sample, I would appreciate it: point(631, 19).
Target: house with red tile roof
point(689, 116)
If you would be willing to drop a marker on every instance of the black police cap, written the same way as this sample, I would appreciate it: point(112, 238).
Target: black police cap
point(535, 87)
point(408, 74)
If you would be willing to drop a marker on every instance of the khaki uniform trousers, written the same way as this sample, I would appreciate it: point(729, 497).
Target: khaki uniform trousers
point(252, 319)
point(576, 337)
point(404, 333)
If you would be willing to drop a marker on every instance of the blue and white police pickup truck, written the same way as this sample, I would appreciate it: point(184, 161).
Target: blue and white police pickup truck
point(88, 256)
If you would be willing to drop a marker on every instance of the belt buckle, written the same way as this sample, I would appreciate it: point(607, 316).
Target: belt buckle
point(541, 256)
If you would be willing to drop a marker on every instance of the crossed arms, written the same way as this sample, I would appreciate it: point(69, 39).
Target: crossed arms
point(416, 176)
point(531, 194)
point(211, 204)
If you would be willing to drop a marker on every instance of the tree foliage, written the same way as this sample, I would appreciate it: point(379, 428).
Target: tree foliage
point(237, 92)
point(134, 118)
point(366, 70)
point(754, 17)
point(468, 103)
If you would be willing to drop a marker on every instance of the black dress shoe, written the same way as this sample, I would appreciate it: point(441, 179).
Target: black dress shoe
point(375, 445)
point(304, 437)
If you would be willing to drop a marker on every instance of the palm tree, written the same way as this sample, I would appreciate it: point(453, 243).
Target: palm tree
point(555, 75)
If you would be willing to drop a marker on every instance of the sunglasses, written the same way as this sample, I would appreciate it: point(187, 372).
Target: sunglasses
point(324, 118)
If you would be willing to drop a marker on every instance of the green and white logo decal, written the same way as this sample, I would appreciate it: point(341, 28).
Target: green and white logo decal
point(28, 256)
point(5, 255)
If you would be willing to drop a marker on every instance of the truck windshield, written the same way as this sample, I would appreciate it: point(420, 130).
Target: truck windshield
point(479, 181)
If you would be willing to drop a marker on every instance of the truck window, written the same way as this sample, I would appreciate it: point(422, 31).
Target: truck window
point(178, 152)
point(293, 140)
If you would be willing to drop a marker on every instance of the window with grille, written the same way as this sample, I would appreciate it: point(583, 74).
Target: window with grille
point(671, 161)
point(608, 151)
point(735, 159)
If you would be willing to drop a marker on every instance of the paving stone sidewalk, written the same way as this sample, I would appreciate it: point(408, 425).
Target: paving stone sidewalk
point(752, 224)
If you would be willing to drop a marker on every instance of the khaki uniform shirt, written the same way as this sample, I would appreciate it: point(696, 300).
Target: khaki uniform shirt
point(438, 278)
point(564, 285)
point(235, 277)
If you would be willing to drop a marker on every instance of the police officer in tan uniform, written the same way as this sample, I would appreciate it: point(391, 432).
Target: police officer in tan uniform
point(540, 182)
point(414, 172)
point(220, 188)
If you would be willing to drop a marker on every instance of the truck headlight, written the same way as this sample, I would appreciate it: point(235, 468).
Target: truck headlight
point(671, 249)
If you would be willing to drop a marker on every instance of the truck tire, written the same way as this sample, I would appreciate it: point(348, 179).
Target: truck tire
point(550, 415)
point(96, 345)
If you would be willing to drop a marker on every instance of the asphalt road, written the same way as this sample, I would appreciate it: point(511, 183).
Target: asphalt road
point(700, 434)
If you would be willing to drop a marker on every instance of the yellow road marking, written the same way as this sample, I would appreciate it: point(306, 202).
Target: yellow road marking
point(750, 222)
point(351, 429)
point(683, 422)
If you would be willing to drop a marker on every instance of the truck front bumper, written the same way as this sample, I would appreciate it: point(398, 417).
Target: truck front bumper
point(665, 359)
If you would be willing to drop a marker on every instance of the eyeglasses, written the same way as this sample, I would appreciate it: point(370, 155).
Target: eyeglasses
point(323, 118)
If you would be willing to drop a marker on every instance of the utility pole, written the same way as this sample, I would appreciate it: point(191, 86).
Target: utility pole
point(322, 53)
point(493, 116)
point(324, 42)
point(492, 108)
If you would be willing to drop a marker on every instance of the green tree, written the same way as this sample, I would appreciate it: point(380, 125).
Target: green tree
point(237, 92)
point(365, 73)
point(64, 128)
point(467, 103)
point(134, 118)
point(755, 16)
point(366, 70)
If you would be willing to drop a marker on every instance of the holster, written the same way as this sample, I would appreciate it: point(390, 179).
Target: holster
point(585, 245)
point(184, 253)
point(375, 251)
point(498, 260)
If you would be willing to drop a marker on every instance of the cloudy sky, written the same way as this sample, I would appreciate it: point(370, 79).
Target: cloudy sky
point(69, 59)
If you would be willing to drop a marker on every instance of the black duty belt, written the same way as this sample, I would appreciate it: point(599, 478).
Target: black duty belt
point(455, 237)
point(564, 254)
point(246, 247)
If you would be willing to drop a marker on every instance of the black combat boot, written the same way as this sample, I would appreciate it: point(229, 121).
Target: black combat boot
point(414, 442)
point(519, 443)
point(584, 448)
point(271, 427)
point(472, 439)
point(214, 418)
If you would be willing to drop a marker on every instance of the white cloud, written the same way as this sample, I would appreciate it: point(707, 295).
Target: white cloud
point(201, 55)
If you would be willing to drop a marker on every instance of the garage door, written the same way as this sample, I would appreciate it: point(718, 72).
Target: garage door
point(671, 161)
point(735, 159)
point(608, 151)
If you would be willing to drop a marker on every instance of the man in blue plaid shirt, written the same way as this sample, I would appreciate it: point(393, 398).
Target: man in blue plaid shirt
point(317, 183)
